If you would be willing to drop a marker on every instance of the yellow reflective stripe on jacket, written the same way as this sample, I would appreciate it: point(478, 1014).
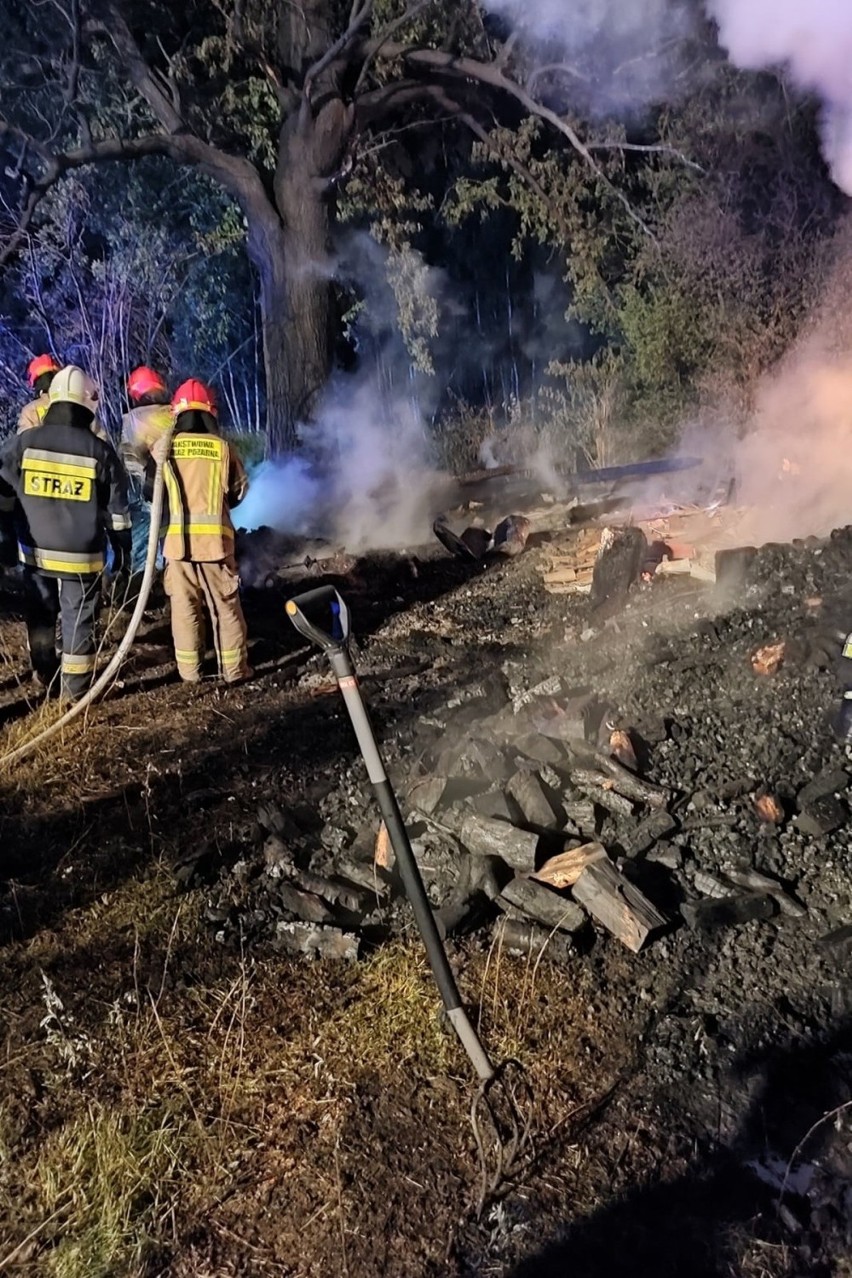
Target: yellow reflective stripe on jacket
point(118, 523)
point(74, 664)
point(60, 561)
point(196, 529)
point(175, 503)
point(60, 463)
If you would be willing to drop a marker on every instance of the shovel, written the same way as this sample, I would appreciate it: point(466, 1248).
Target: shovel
point(334, 640)
point(322, 616)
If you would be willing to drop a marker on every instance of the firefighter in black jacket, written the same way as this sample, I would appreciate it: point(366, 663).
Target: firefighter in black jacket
point(70, 494)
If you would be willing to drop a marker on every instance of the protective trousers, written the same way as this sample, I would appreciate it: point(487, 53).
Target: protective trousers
point(190, 585)
point(73, 602)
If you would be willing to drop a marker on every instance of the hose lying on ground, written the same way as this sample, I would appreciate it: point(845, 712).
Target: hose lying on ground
point(107, 676)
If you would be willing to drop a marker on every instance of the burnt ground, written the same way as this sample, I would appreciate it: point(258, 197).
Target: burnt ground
point(181, 1098)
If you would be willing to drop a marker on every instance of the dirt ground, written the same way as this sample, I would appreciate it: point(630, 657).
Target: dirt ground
point(176, 1106)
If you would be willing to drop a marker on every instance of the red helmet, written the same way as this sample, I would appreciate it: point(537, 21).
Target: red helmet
point(40, 365)
point(194, 394)
point(144, 380)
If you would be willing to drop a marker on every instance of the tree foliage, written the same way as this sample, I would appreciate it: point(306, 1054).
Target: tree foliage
point(647, 258)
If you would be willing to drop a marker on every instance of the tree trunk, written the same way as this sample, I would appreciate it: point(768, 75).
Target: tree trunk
point(295, 309)
point(289, 246)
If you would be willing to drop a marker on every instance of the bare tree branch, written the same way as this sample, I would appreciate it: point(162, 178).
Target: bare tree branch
point(360, 13)
point(662, 147)
point(388, 35)
point(436, 60)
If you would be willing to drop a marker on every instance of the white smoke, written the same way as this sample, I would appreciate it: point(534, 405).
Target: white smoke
point(368, 481)
point(365, 478)
point(617, 55)
point(814, 42)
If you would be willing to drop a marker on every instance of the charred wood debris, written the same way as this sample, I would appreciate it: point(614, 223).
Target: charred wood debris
point(543, 816)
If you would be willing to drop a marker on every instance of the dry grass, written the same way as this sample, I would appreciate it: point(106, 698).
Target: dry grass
point(160, 1092)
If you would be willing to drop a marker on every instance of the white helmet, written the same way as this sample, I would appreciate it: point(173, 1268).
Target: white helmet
point(72, 386)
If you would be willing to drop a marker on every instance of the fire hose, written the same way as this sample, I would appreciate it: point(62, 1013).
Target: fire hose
point(333, 639)
point(107, 676)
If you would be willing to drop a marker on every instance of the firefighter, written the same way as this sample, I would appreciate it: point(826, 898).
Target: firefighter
point(40, 373)
point(150, 414)
point(71, 494)
point(204, 478)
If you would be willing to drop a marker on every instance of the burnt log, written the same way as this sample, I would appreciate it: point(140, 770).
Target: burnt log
point(618, 904)
point(426, 793)
point(729, 911)
point(601, 791)
point(621, 779)
point(451, 541)
point(540, 749)
point(518, 936)
point(479, 877)
point(822, 816)
point(619, 563)
point(528, 793)
point(535, 901)
point(363, 874)
point(581, 814)
point(648, 832)
point(832, 781)
point(510, 535)
point(477, 541)
point(486, 836)
point(354, 899)
point(754, 881)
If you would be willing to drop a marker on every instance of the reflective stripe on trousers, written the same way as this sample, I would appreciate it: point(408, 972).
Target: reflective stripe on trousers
point(74, 602)
point(190, 586)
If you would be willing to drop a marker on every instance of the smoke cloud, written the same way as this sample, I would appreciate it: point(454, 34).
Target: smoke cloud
point(368, 482)
point(794, 466)
point(621, 54)
point(814, 42)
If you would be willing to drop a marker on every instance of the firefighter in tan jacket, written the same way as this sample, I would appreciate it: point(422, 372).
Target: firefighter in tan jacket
point(204, 478)
point(40, 373)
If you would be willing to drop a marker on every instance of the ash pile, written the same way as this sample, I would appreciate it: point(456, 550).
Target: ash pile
point(610, 790)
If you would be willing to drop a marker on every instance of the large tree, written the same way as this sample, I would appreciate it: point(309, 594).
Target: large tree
point(276, 102)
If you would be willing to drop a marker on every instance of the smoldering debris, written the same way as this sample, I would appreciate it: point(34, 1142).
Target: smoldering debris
point(529, 815)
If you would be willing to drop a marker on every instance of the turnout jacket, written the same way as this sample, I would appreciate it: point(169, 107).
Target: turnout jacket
point(69, 493)
point(33, 412)
point(32, 415)
point(204, 479)
point(140, 429)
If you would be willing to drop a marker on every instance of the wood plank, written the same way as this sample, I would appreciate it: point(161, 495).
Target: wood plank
point(619, 906)
point(570, 588)
point(564, 870)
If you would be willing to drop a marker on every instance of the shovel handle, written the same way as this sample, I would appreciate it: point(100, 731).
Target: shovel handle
point(325, 599)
